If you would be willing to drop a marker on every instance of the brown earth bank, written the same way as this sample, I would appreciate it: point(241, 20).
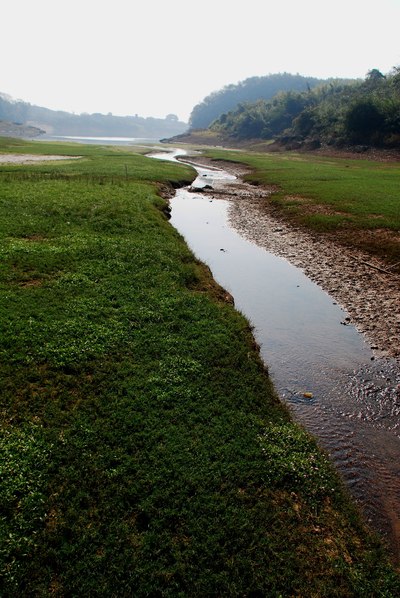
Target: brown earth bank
point(364, 285)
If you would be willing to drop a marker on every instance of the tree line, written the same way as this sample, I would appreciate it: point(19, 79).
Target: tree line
point(337, 113)
point(249, 90)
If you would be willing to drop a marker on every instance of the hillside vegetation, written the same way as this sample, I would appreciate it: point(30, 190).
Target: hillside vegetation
point(8, 129)
point(56, 122)
point(361, 113)
point(249, 90)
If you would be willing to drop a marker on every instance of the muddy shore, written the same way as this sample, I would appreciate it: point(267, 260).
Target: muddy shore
point(360, 283)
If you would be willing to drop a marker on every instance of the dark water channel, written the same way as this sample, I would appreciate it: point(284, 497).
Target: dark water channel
point(354, 410)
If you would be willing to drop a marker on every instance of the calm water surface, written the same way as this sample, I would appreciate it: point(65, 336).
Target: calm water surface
point(355, 407)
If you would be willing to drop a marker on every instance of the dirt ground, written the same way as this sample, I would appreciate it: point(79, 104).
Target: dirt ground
point(361, 284)
point(31, 158)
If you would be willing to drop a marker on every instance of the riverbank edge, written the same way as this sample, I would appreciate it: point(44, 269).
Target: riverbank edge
point(361, 283)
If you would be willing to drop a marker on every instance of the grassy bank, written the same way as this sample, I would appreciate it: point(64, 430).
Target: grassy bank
point(356, 201)
point(143, 450)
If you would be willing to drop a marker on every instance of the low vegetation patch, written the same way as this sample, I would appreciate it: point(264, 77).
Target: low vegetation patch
point(143, 450)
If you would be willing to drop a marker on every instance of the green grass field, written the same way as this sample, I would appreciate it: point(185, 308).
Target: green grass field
point(143, 450)
point(357, 201)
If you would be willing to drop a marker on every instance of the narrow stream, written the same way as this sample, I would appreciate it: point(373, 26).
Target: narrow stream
point(354, 409)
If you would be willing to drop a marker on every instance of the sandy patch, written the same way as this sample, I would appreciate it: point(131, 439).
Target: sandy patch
point(31, 158)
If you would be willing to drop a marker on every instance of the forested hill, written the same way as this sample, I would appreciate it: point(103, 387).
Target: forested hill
point(249, 90)
point(365, 112)
point(65, 123)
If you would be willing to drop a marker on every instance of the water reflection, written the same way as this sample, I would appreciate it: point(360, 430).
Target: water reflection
point(296, 323)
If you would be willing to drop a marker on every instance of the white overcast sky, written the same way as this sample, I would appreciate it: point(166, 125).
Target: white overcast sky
point(155, 57)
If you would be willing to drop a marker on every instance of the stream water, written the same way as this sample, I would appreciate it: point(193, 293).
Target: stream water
point(354, 408)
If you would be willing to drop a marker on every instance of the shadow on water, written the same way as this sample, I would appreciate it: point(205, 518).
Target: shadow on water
point(355, 404)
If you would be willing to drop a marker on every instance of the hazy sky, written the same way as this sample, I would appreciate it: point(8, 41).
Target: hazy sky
point(154, 57)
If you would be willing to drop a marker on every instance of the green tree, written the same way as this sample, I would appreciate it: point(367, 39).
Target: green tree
point(364, 121)
point(375, 76)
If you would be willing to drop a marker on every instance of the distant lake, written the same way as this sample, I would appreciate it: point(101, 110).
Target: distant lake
point(100, 140)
